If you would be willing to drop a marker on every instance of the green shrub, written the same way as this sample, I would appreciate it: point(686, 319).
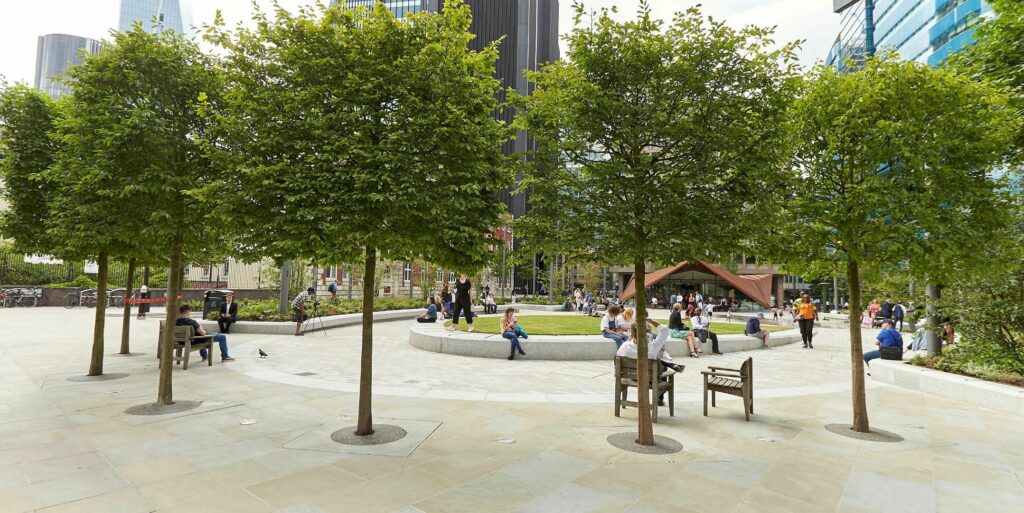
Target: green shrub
point(81, 281)
point(266, 310)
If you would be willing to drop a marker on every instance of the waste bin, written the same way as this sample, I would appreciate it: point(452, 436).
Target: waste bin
point(212, 301)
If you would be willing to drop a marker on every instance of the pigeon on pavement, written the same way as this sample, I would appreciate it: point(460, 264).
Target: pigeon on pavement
point(263, 354)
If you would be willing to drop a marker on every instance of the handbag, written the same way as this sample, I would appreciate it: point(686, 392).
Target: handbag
point(891, 352)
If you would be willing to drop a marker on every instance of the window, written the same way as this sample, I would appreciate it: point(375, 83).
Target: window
point(407, 273)
point(227, 267)
point(387, 272)
point(330, 272)
point(438, 276)
point(348, 273)
point(207, 270)
point(451, 277)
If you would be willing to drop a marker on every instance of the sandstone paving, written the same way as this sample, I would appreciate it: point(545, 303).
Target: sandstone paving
point(69, 447)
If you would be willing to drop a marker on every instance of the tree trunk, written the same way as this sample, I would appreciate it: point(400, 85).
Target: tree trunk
point(127, 319)
point(96, 362)
point(165, 394)
point(643, 392)
point(931, 323)
point(860, 407)
point(282, 299)
point(364, 424)
point(551, 281)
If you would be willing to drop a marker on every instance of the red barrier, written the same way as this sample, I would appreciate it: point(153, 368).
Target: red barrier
point(134, 301)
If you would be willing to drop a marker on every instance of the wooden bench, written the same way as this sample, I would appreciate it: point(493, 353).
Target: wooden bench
point(738, 382)
point(626, 376)
point(186, 341)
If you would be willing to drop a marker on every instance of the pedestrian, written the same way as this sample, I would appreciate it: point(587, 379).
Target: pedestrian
point(806, 314)
point(463, 303)
point(899, 312)
point(143, 303)
point(299, 309)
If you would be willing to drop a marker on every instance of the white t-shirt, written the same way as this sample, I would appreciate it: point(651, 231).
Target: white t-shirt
point(654, 345)
point(700, 322)
point(617, 323)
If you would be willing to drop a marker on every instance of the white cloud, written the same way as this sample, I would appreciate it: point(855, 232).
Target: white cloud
point(22, 21)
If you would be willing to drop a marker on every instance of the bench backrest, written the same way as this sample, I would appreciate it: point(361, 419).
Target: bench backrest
point(182, 334)
point(747, 370)
point(626, 367)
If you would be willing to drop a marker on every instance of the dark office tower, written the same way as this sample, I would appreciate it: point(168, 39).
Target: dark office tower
point(530, 32)
point(54, 55)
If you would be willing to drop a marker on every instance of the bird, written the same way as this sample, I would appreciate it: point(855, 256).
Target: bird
point(263, 354)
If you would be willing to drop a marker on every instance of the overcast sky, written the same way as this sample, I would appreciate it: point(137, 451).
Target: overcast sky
point(22, 21)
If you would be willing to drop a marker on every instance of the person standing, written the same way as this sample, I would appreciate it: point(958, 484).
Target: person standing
point(510, 329)
point(885, 312)
point(228, 314)
point(299, 309)
point(463, 303)
point(899, 312)
point(144, 304)
point(446, 302)
point(806, 314)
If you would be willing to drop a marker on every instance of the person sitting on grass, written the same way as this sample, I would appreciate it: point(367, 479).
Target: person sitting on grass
point(753, 329)
point(185, 319)
point(613, 326)
point(511, 330)
point(655, 350)
point(677, 329)
point(431, 313)
point(889, 342)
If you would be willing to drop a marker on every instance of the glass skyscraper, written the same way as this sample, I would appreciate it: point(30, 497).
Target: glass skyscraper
point(156, 15)
point(54, 55)
point(926, 31)
point(398, 7)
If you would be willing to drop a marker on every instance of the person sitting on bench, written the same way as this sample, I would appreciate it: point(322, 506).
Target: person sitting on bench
point(185, 320)
point(228, 314)
point(655, 350)
point(702, 328)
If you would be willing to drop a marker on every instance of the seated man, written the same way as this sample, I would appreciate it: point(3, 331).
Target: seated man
point(889, 342)
point(228, 314)
point(431, 313)
point(657, 336)
point(754, 329)
point(185, 320)
point(702, 327)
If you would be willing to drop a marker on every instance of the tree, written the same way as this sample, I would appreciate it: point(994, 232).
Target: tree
point(132, 135)
point(658, 125)
point(27, 120)
point(893, 165)
point(354, 136)
point(997, 55)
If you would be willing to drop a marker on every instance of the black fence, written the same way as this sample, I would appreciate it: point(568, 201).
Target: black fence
point(15, 271)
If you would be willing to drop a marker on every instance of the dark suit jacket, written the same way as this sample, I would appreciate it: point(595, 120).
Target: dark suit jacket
point(234, 310)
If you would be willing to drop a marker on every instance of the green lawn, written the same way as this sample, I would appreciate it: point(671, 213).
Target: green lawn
point(582, 325)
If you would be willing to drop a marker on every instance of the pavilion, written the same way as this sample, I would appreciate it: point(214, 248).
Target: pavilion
point(710, 279)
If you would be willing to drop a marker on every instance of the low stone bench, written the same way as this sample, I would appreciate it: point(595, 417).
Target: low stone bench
point(434, 338)
point(288, 328)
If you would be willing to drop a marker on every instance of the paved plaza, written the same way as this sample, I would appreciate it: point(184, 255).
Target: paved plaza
point(484, 435)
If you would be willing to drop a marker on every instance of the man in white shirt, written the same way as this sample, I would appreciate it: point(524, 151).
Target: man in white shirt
point(655, 347)
point(702, 328)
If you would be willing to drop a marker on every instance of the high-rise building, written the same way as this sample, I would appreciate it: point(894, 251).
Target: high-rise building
point(926, 31)
point(530, 32)
point(156, 15)
point(54, 55)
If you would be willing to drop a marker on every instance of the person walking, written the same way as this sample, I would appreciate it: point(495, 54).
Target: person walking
point(806, 314)
point(510, 329)
point(898, 313)
point(463, 303)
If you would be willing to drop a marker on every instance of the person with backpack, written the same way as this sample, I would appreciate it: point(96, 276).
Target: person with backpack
point(899, 312)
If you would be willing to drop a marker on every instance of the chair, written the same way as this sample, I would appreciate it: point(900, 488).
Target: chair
point(625, 377)
point(185, 341)
point(738, 382)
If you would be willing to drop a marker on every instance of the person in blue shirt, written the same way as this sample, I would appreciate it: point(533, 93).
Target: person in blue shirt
point(431, 313)
point(887, 338)
point(754, 329)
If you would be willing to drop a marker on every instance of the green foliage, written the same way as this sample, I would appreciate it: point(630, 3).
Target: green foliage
point(346, 131)
point(997, 54)
point(657, 143)
point(81, 281)
point(27, 120)
point(893, 168)
point(266, 310)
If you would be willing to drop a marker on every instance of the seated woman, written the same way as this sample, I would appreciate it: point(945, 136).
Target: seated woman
point(679, 330)
point(613, 326)
point(657, 335)
point(511, 330)
point(431, 313)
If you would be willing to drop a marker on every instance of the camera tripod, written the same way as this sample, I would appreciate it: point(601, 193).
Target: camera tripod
point(311, 320)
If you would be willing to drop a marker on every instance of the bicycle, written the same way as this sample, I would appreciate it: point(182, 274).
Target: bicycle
point(86, 297)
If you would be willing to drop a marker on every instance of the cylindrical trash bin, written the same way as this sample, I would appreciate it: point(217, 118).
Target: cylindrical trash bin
point(212, 301)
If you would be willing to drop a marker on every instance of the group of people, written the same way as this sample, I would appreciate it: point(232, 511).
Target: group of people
point(583, 301)
point(619, 326)
point(876, 313)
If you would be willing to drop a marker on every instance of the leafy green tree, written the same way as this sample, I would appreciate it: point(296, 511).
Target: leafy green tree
point(353, 136)
point(671, 136)
point(133, 161)
point(27, 120)
point(893, 165)
point(998, 55)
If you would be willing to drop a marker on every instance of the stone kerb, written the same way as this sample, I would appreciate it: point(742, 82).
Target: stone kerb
point(995, 396)
point(434, 338)
point(288, 328)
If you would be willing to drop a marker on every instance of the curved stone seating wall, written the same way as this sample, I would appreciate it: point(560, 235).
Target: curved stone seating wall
point(288, 328)
point(433, 337)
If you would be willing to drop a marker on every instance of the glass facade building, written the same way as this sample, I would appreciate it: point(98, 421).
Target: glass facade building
point(156, 15)
point(926, 31)
point(398, 7)
point(54, 55)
